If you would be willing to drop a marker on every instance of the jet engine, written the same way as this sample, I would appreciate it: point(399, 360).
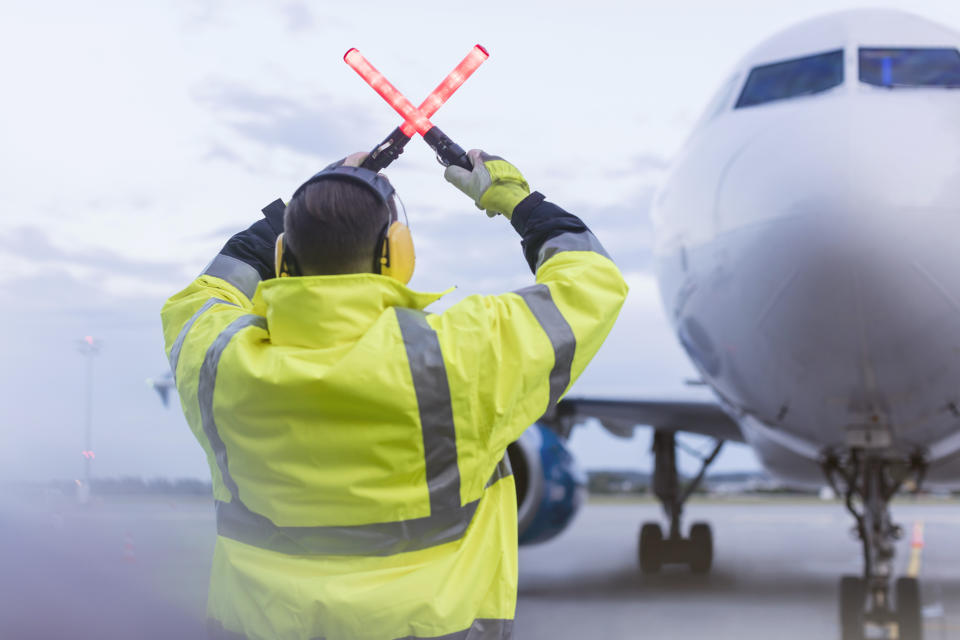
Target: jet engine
point(550, 487)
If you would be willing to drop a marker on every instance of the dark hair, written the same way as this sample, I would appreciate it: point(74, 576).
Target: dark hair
point(333, 227)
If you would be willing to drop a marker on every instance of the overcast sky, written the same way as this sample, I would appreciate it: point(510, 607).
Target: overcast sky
point(136, 137)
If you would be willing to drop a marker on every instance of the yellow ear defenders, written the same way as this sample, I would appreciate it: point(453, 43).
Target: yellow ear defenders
point(394, 256)
point(284, 261)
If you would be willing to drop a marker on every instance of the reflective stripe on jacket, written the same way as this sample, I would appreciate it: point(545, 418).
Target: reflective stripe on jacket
point(357, 444)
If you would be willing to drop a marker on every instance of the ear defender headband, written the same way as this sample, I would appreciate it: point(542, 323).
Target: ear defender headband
point(394, 255)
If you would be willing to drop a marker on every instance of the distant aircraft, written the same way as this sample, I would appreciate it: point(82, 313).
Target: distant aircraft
point(162, 386)
point(807, 256)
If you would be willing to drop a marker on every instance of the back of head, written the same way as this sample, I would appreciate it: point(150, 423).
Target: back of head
point(333, 227)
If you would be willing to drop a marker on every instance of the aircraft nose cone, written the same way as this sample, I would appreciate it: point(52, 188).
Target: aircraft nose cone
point(849, 233)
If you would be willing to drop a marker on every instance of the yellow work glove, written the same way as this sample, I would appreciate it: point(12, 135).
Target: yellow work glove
point(495, 185)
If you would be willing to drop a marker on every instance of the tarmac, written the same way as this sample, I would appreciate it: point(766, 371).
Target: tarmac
point(777, 565)
point(137, 568)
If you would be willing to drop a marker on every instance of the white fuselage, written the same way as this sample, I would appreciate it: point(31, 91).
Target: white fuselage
point(808, 255)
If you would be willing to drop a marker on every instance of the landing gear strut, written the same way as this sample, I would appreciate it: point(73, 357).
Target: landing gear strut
point(868, 484)
point(654, 550)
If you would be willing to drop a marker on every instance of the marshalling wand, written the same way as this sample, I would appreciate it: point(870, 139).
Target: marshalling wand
point(416, 120)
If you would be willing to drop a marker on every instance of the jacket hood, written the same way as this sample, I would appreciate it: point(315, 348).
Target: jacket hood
point(323, 311)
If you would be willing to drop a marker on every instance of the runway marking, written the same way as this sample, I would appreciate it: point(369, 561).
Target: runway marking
point(916, 550)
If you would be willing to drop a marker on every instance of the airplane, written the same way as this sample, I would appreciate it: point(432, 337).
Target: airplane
point(805, 249)
point(163, 386)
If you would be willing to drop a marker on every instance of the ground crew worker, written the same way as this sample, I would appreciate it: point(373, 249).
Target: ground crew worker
point(357, 443)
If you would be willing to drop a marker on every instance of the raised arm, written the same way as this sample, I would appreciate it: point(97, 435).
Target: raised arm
point(519, 352)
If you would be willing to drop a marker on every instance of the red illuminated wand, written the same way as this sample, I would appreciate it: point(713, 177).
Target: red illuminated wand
point(416, 120)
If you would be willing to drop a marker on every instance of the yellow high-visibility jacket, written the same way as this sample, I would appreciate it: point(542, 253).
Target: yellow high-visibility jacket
point(357, 443)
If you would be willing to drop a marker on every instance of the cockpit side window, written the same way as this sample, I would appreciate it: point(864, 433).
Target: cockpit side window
point(792, 78)
point(893, 68)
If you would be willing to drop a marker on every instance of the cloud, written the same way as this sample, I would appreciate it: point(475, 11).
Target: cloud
point(223, 232)
point(298, 16)
point(625, 230)
point(129, 202)
point(33, 245)
point(204, 14)
point(57, 292)
point(218, 151)
point(320, 129)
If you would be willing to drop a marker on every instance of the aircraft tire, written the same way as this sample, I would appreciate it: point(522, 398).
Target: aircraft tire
point(701, 547)
point(650, 548)
point(852, 604)
point(909, 611)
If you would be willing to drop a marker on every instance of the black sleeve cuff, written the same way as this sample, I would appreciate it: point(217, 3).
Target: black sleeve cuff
point(255, 246)
point(537, 221)
point(524, 208)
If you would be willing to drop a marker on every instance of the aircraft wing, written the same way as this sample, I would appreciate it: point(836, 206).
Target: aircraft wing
point(620, 417)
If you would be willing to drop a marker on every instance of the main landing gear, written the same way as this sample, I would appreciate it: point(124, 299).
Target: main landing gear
point(654, 549)
point(868, 484)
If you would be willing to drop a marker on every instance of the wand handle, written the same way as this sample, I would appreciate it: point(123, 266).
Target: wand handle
point(387, 151)
point(448, 151)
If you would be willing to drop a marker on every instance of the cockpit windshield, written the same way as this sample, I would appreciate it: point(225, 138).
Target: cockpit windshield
point(792, 78)
point(910, 67)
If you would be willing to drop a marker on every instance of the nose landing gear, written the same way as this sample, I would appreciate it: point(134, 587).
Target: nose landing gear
point(869, 602)
point(654, 550)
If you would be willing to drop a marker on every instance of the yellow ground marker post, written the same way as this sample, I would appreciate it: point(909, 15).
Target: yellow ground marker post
point(913, 569)
point(916, 549)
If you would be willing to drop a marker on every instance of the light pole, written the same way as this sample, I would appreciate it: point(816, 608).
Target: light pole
point(88, 347)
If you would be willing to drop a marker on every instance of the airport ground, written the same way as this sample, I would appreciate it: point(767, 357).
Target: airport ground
point(137, 568)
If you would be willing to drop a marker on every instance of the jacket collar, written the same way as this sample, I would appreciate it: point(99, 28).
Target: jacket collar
point(323, 311)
